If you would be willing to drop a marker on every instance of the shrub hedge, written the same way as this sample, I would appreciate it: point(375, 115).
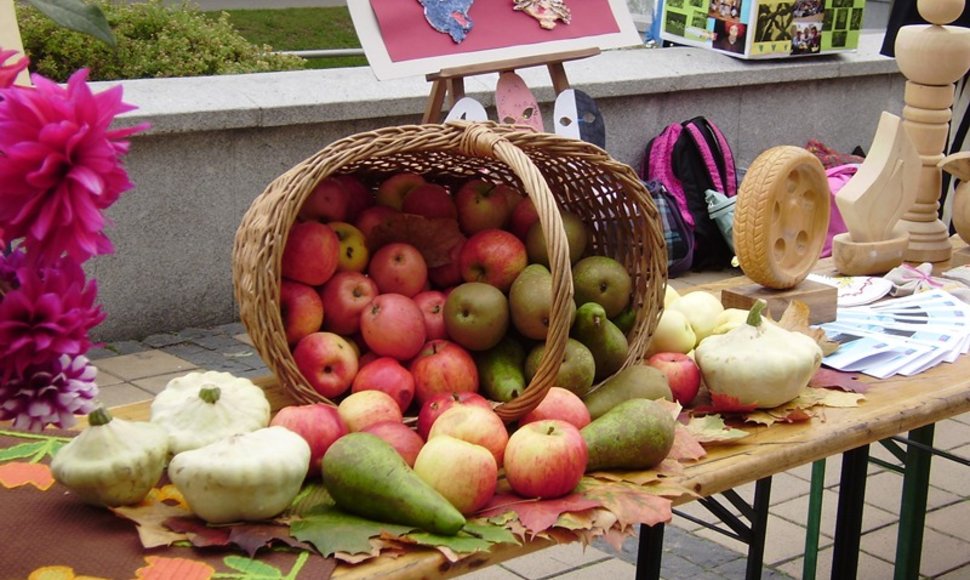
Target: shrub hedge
point(154, 41)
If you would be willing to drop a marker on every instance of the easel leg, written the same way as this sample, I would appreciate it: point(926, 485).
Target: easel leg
point(432, 111)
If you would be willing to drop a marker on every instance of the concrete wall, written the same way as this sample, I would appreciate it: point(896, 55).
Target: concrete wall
point(216, 142)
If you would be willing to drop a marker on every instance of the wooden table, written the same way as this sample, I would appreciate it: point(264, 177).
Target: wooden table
point(892, 406)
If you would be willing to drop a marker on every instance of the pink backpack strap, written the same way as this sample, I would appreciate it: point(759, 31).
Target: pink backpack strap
point(730, 189)
point(660, 168)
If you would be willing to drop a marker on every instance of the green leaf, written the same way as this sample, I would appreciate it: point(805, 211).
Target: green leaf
point(711, 429)
point(477, 536)
point(497, 534)
point(253, 569)
point(36, 450)
point(332, 531)
point(312, 495)
point(77, 15)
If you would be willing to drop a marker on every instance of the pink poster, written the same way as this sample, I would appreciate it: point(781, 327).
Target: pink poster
point(408, 36)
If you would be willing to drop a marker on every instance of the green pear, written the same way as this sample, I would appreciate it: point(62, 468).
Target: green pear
point(530, 302)
point(636, 434)
point(367, 477)
point(577, 238)
point(501, 373)
point(626, 320)
point(607, 342)
point(637, 381)
point(602, 280)
point(576, 371)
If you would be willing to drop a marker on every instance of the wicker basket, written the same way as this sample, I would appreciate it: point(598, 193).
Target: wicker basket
point(555, 172)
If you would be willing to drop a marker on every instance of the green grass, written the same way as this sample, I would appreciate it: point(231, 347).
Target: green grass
point(300, 29)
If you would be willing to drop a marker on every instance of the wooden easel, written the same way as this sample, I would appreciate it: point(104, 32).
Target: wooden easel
point(450, 82)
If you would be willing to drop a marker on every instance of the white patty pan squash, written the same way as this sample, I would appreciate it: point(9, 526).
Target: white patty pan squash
point(758, 363)
point(199, 408)
point(113, 462)
point(244, 477)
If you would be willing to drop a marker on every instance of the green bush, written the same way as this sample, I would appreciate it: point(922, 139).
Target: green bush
point(154, 41)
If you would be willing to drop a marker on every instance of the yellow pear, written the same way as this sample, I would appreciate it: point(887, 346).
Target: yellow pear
point(701, 310)
point(673, 334)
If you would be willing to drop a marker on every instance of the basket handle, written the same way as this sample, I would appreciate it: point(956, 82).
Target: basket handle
point(479, 140)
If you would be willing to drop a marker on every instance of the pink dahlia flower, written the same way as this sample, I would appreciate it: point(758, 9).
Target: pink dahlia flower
point(60, 166)
point(52, 393)
point(9, 72)
point(47, 313)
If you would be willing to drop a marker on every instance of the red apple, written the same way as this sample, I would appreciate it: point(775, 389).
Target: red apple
point(401, 437)
point(371, 218)
point(494, 257)
point(476, 425)
point(464, 473)
point(392, 191)
point(326, 203)
point(388, 375)
point(523, 216)
point(545, 459)
point(435, 405)
point(448, 274)
point(443, 367)
point(365, 408)
point(431, 201)
point(481, 206)
point(301, 310)
point(398, 268)
point(358, 195)
point(311, 253)
point(392, 325)
point(318, 423)
point(365, 359)
point(562, 404)
point(683, 374)
point(432, 305)
point(344, 298)
point(327, 361)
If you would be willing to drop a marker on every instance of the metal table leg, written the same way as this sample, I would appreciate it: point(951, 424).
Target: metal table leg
point(912, 511)
point(848, 529)
point(813, 525)
point(650, 552)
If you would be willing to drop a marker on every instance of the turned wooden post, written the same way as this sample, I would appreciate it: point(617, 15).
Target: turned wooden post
point(932, 57)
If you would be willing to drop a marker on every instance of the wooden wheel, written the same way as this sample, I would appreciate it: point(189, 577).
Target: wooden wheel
point(781, 217)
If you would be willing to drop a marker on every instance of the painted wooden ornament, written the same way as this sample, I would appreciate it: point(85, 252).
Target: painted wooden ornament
point(449, 17)
point(547, 12)
point(467, 109)
point(515, 103)
point(576, 115)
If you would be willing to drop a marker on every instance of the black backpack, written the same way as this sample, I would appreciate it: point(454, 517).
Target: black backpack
point(688, 159)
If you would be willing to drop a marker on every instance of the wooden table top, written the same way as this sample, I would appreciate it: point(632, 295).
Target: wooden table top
point(892, 406)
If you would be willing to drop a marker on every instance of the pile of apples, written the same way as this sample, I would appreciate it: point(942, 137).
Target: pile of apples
point(375, 329)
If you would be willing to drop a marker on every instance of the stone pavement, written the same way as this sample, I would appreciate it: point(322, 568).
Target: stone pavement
point(132, 371)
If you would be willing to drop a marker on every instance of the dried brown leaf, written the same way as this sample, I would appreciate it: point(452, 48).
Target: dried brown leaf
point(796, 319)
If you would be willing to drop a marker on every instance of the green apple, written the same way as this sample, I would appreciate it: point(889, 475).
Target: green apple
point(602, 280)
point(476, 315)
point(673, 334)
point(530, 302)
point(701, 310)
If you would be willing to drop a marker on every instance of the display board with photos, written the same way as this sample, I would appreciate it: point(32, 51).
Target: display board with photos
point(753, 29)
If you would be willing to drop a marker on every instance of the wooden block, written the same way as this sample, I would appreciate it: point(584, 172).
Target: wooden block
point(821, 299)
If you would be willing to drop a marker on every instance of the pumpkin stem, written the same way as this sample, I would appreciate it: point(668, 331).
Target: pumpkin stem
point(754, 315)
point(210, 394)
point(99, 417)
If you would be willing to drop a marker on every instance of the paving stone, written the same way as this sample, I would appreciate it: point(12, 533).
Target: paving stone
point(612, 568)
point(123, 347)
point(231, 329)
point(219, 342)
point(492, 573)
point(555, 560)
point(950, 434)
point(195, 333)
point(121, 394)
point(738, 568)
point(952, 520)
point(884, 490)
point(157, 383)
point(701, 550)
point(961, 573)
point(870, 567)
point(796, 511)
point(188, 351)
point(244, 338)
point(941, 553)
point(144, 364)
point(100, 352)
point(106, 379)
point(162, 340)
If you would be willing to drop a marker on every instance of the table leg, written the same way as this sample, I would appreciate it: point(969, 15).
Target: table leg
point(759, 528)
point(848, 528)
point(912, 510)
point(810, 563)
point(650, 552)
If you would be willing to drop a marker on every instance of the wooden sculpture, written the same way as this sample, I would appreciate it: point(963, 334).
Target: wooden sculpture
point(874, 200)
point(780, 222)
point(958, 165)
point(931, 57)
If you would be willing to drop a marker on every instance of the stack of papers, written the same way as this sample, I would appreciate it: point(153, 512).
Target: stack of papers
point(903, 336)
